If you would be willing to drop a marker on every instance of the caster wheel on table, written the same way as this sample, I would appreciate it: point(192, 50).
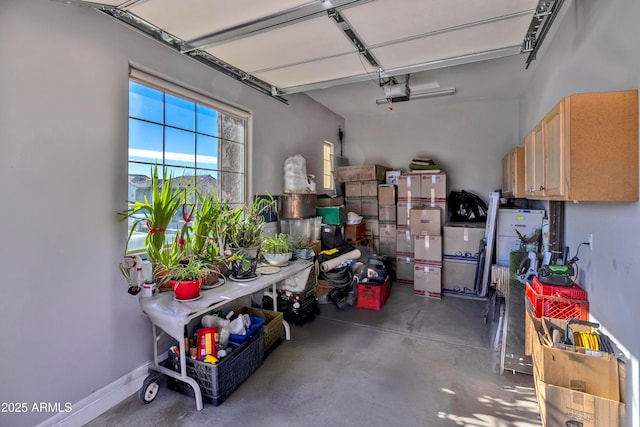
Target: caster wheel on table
point(150, 388)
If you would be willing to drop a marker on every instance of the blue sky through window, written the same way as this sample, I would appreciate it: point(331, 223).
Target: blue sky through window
point(164, 128)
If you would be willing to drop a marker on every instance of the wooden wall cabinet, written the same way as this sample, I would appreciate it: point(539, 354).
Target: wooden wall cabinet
point(585, 149)
point(513, 173)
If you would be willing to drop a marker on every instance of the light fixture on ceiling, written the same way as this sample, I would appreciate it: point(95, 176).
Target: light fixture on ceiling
point(420, 95)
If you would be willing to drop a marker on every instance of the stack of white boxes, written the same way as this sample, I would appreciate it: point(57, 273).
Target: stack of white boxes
point(423, 193)
point(387, 211)
point(460, 256)
point(426, 226)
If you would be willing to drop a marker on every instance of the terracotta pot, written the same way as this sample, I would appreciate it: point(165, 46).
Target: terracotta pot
point(186, 289)
point(160, 277)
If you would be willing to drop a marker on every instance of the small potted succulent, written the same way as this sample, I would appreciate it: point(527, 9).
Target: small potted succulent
point(278, 249)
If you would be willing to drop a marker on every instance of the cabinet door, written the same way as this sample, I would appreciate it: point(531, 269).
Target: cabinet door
point(554, 148)
point(539, 179)
point(507, 174)
point(529, 165)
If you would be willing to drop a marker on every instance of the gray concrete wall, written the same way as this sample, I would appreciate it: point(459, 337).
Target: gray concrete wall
point(68, 326)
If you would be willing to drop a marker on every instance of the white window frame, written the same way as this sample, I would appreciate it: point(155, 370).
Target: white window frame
point(193, 95)
point(327, 165)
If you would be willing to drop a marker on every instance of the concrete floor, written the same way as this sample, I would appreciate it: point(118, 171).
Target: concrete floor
point(417, 362)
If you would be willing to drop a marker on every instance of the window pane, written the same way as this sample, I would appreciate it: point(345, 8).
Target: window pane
point(206, 120)
point(145, 103)
point(231, 156)
point(145, 141)
point(179, 148)
point(232, 188)
point(231, 128)
point(180, 113)
point(206, 152)
point(207, 181)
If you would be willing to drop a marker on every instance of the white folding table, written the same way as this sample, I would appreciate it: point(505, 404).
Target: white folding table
point(170, 316)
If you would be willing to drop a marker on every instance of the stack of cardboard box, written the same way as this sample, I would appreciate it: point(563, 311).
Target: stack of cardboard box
point(387, 211)
point(361, 192)
point(461, 243)
point(422, 209)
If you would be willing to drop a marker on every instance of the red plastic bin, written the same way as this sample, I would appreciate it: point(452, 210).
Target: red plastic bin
point(373, 296)
point(556, 307)
point(574, 292)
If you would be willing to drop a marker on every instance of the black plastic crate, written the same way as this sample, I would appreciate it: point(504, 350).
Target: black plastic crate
point(218, 381)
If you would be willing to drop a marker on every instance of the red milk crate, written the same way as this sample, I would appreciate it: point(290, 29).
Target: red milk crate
point(373, 296)
point(574, 292)
point(556, 307)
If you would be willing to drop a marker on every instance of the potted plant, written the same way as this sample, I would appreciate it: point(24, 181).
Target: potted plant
point(278, 249)
point(247, 233)
point(158, 212)
point(186, 278)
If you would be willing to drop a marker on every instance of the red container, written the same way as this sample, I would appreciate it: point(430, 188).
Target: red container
point(574, 292)
point(373, 296)
point(207, 342)
point(556, 307)
point(186, 289)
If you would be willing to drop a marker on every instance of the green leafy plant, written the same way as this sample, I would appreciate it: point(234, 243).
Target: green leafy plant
point(278, 244)
point(193, 269)
point(157, 212)
point(248, 231)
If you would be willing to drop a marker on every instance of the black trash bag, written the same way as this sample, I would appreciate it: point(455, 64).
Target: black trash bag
point(466, 207)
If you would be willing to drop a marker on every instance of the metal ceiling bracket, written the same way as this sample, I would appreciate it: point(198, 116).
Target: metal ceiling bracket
point(178, 44)
point(310, 10)
point(542, 19)
point(353, 37)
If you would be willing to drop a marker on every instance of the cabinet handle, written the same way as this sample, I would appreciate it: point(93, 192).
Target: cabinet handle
point(541, 188)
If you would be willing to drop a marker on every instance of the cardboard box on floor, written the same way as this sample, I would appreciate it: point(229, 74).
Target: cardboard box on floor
point(574, 388)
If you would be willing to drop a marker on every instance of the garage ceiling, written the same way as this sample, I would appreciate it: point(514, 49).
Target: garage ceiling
point(290, 46)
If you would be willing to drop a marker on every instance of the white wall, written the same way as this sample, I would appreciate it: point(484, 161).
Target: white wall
point(68, 326)
point(595, 49)
point(467, 138)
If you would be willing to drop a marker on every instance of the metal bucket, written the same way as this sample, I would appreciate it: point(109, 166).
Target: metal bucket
point(297, 205)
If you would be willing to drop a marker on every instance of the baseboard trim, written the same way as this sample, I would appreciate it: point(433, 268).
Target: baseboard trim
point(101, 400)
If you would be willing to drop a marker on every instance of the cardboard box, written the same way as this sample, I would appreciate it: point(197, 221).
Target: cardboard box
point(440, 205)
point(433, 187)
point(353, 189)
point(372, 227)
point(404, 209)
point(369, 207)
point(462, 242)
point(370, 189)
point(574, 405)
point(404, 270)
point(354, 205)
point(427, 281)
point(387, 213)
point(362, 173)
point(459, 276)
point(408, 187)
point(353, 232)
point(561, 406)
point(425, 221)
point(594, 375)
point(404, 243)
point(387, 247)
point(428, 250)
point(323, 202)
point(386, 194)
point(392, 177)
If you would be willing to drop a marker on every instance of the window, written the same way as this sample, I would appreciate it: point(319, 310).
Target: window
point(327, 159)
point(189, 134)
